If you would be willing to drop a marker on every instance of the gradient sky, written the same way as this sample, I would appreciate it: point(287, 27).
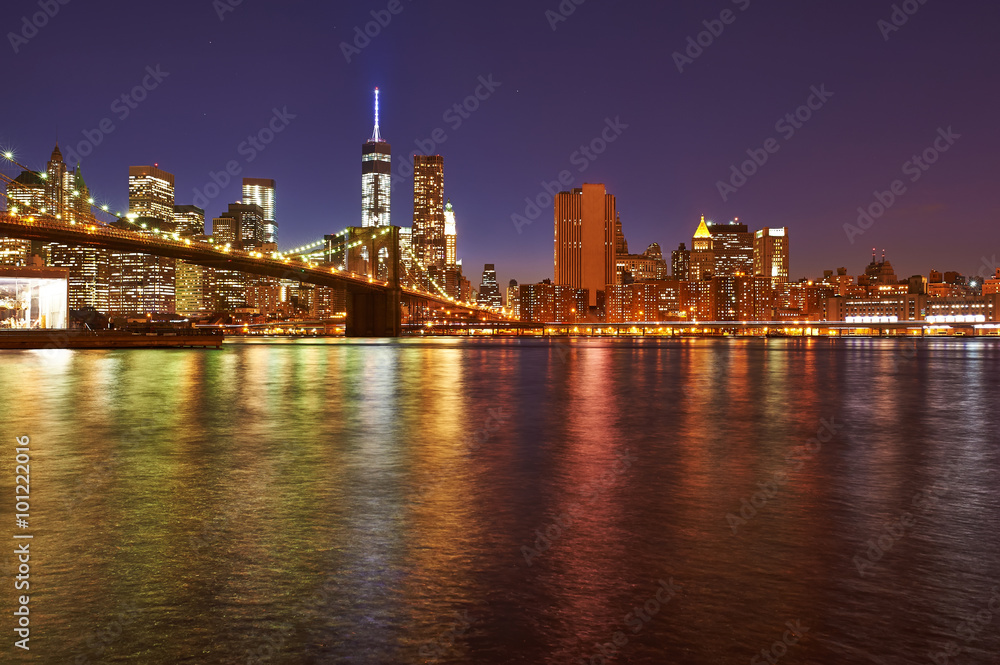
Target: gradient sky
point(557, 88)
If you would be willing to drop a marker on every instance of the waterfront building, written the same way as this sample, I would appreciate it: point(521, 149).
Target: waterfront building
point(88, 272)
point(585, 229)
point(142, 284)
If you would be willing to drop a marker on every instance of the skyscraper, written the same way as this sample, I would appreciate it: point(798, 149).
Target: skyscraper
point(428, 210)
point(732, 245)
point(150, 193)
point(241, 226)
point(702, 254)
point(260, 191)
point(89, 274)
point(585, 240)
point(25, 196)
point(190, 220)
point(680, 263)
point(450, 235)
point(376, 179)
point(489, 290)
point(770, 255)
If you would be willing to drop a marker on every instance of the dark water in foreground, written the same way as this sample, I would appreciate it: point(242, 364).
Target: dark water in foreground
point(340, 502)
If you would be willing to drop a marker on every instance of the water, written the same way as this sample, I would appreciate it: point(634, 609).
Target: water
point(379, 502)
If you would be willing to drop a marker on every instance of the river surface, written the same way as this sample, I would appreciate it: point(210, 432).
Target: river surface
point(509, 501)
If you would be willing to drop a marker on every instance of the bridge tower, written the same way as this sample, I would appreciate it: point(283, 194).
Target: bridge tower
point(373, 312)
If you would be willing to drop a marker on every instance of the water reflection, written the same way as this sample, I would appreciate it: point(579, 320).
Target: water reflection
point(352, 502)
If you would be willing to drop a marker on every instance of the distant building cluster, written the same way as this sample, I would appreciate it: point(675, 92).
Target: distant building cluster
point(137, 286)
point(728, 274)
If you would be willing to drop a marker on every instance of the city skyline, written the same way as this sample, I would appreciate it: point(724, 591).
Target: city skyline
point(815, 182)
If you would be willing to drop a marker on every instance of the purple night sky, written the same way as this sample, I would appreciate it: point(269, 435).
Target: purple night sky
point(557, 88)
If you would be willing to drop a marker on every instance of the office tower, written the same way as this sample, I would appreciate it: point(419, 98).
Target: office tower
point(450, 235)
point(376, 178)
point(27, 195)
point(489, 290)
point(585, 240)
point(190, 220)
point(142, 283)
point(428, 210)
point(732, 245)
point(89, 274)
point(226, 231)
point(242, 226)
point(513, 300)
point(260, 191)
point(229, 287)
point(229, 290)
point(194, 289)
point(55, 183)
point(150, 193)
point(770, 255)
point(406, 248)
point(702, 261)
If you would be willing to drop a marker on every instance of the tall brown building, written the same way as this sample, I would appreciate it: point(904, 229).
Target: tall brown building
point(429, 245)
point(585, 239)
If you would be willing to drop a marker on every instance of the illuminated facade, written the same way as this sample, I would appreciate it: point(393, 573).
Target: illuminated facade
point(241, 226)
point(376, 178)
point(261, 192)
point(89, 274)
point(450, 236)
point(33, 298)
point(680, 263)
point(702, 257)
point(428, 210)
point(195, 285)
point(150, 193)
point(732, 245)
point(512, 301)
point(190, 220)
point(489, 290)
point(770, 255)
point(26, 195)
point(584, 255)
point(142, 283)
point(406, 247)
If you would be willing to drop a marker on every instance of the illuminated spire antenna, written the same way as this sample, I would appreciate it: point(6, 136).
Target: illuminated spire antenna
point(376, 136)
